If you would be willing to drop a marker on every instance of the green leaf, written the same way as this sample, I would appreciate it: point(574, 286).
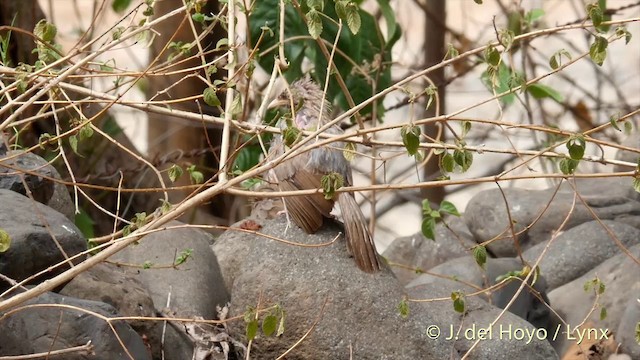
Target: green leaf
point(411, 138)
point(458, 301)
point(479, 2)
point(637, 336)
point(120, 5)
point(353, 19)
point(613, 120)
point(341, 9)
point(85, 132)
point(314, 22)
point(447, 163)
point(85, 223)
point(198, 17)
point(73, 142)
point(595, 14)
point(598, 50)
point(603, 313)
point(330, 183)
point(316, 4)
point(45, 30)
point(568, 166)
point(464, 158)
point(393, 29)
point(480, 255)
point(252, 329)
point(576, 146)
point(540, 91)
point(236, 105)
point(506, 38)
point(501, 79)
point(451, 52)
point(165, 207)
point(403, 308)
point(196, 176)
point(429, 228)
point(269, 325)
point(210, 97)
point(533, 15)
point(367, 47)
point(139, 219)
point(448, 208)
point(183, 256)
point(349, 151)
point(290, 135)
point(5, 241)
point(431, 92)
point(426, 206)
point(466, 126)
point(175, 172)
point(556, 59)
point(621, 31)
point(628, 127)
point(492, 56)
point(148, 12)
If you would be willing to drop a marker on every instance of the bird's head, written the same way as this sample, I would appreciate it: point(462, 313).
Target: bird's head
point(306, 97)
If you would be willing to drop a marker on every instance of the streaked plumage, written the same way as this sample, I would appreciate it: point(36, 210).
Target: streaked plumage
point(306, 170)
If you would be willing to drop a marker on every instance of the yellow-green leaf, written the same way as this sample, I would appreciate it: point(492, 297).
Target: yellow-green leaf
point(5, 241)
point(314, 23)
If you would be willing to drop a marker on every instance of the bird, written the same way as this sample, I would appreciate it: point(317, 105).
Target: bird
point(306, 170)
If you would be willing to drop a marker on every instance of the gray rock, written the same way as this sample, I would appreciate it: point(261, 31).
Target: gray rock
point(351, 313)
point(35, 231)
point(30, 166)
point(231, 250)
point(196, 286)
point(626, 334)
point(40, 329)
point(620, 275)
point(418, 252)
point(510, 338)
point(580, 249)
point(45, 191)
point(464, 274)
point(109, 284)
point(487, 217)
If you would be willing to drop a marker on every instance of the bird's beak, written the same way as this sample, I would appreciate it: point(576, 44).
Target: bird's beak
point(276, 103)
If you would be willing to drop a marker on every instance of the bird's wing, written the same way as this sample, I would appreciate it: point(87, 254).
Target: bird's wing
point(307, 211)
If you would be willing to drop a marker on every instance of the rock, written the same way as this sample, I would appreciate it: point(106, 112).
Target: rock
point(348, 313)
point(109, 284)
point(580, 249)
point(627, 330)
point(45, 191)
point(487, 217)
point(510, 338)
point(620, 276)
point(231, 250)
point(36, 231)
point(418, 252)
point(462, 272)
point(41, 329)
point(195, 287)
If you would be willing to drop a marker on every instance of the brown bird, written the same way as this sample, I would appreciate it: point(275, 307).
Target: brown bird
point(306, 170)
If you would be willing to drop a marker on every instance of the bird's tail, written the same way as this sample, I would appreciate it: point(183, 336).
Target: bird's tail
point(359, 241)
